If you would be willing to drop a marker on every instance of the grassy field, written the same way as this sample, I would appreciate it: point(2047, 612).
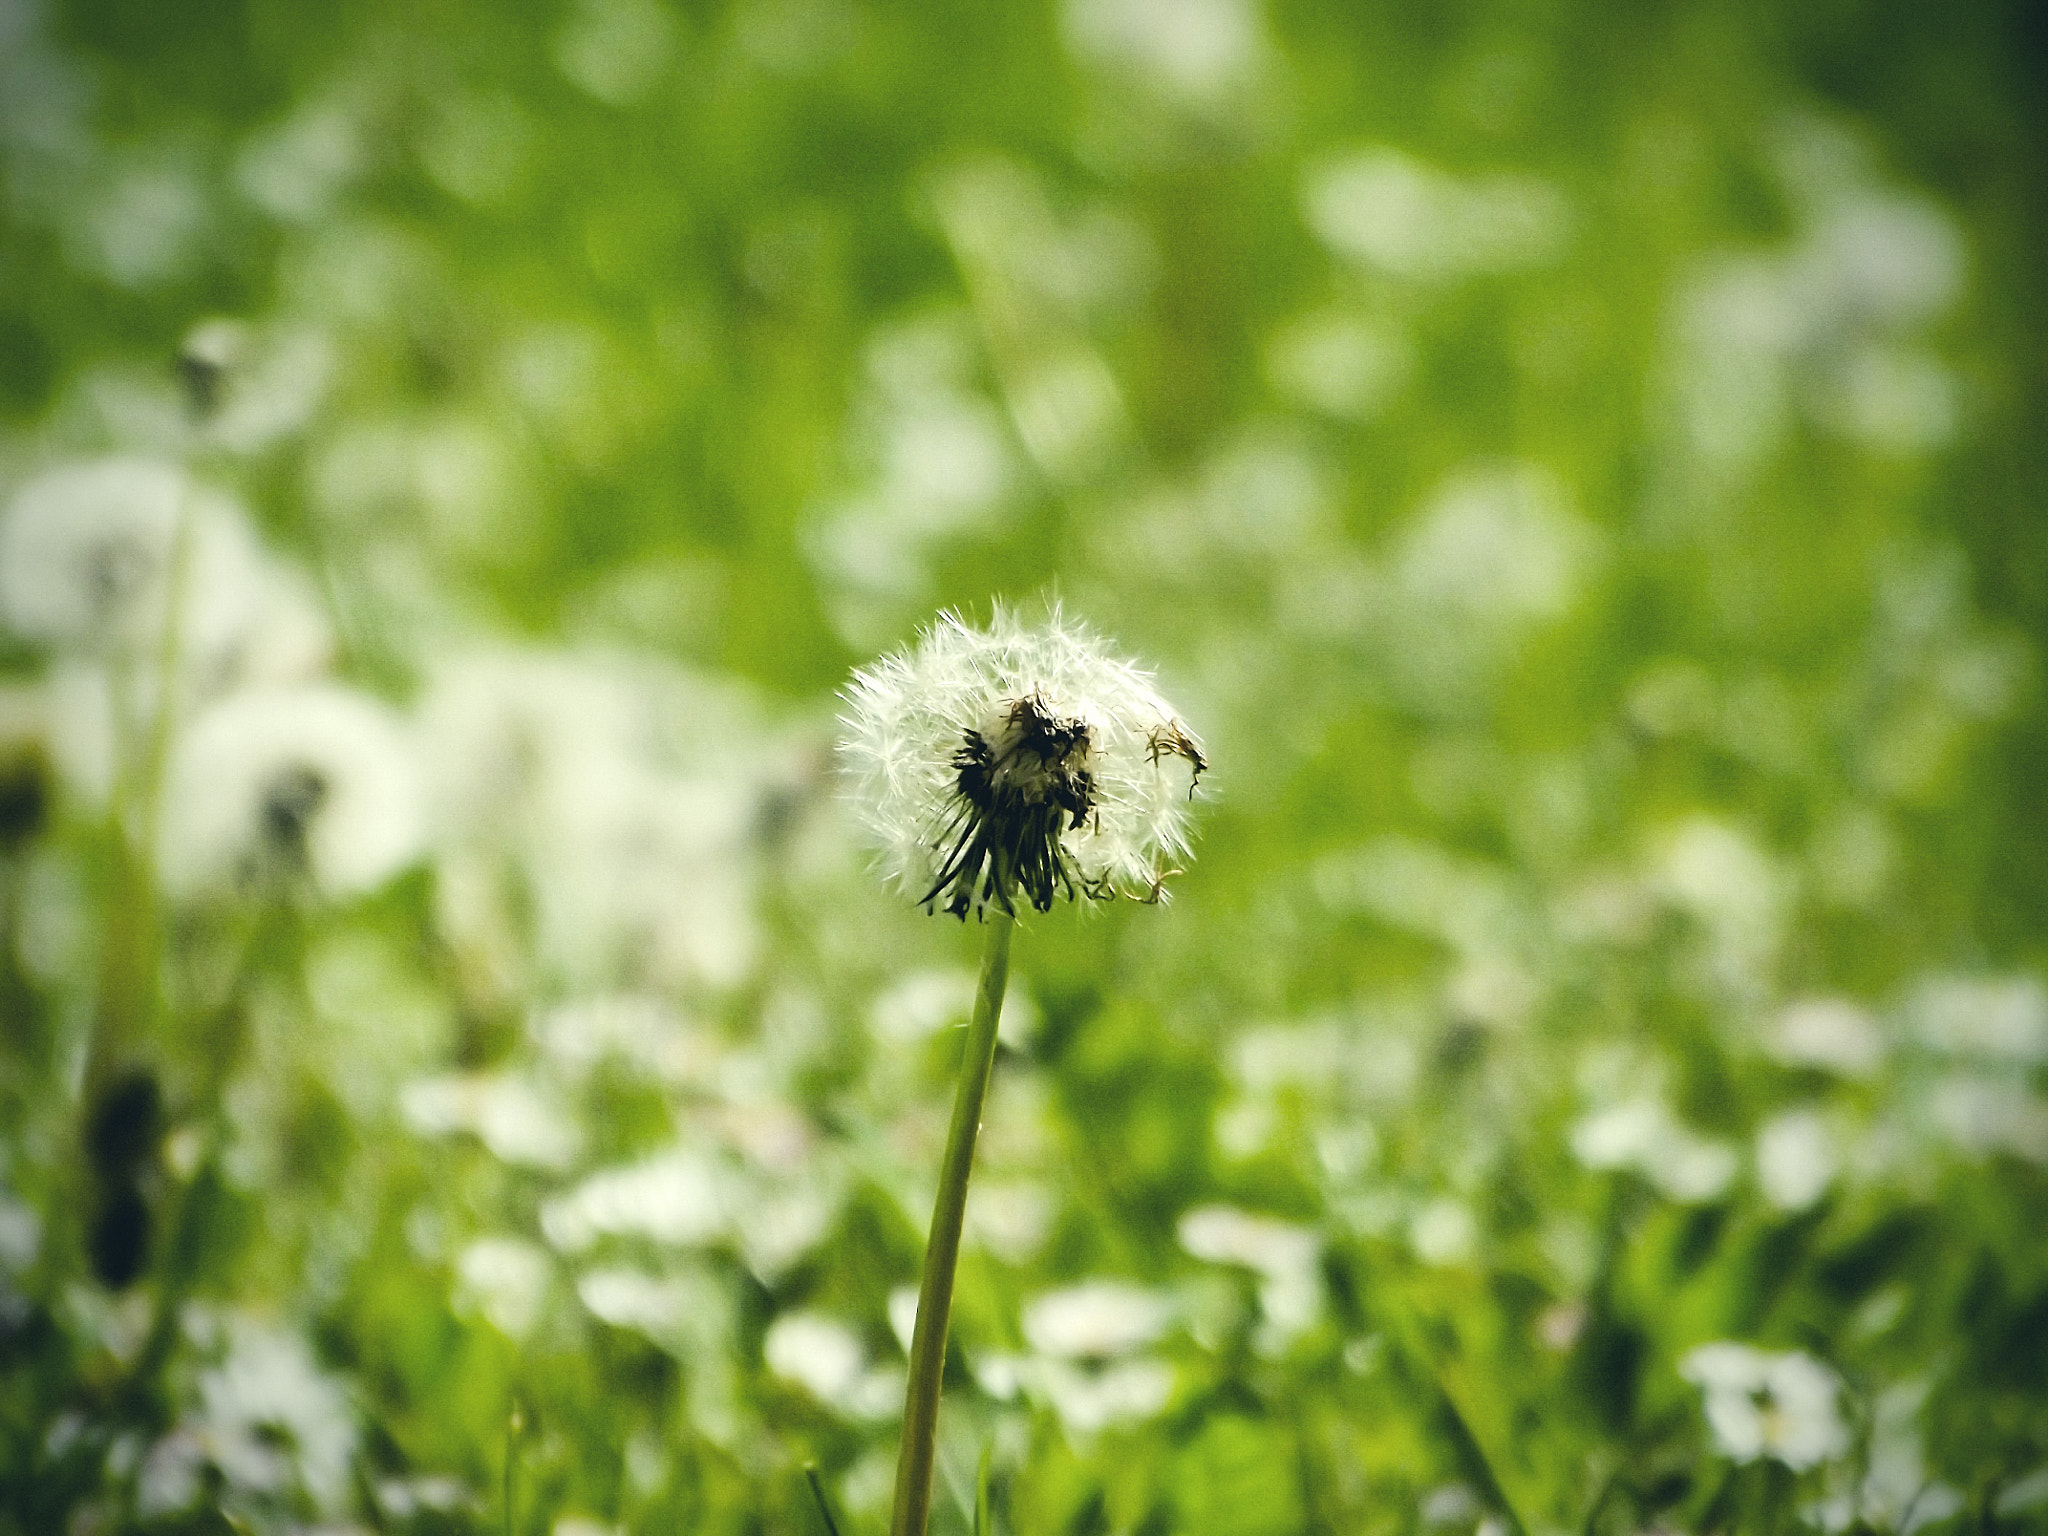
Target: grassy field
point(1579, 473)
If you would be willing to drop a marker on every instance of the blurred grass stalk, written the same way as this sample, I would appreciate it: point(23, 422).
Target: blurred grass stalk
point(120, 1119)
point(942, 1249)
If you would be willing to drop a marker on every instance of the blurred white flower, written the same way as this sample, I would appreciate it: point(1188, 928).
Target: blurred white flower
point(21, 1234)
point(631, 1298)
point(1796, 1159)
point(268, 1416)
point(678, 1198)
point(406, 1498)
point(2024, 1495)
point(819, 1355)
point(1824, 324)
point(903, 1315)
point(89, 561)
point(1758, 1404)
point(924, 1001)
point(1981, 1113)
point(1895, 1492)
point(619, 795)
point(1088, 1400)
point(1095, 1319)
point(85, 548)
point(1087, 1397)
point(250, 386)
point(1994, 1017)
point(988, 761)
point(827, 1360)
point(1010, 1218)
point(270, 786)
point(514, 1119)
point(1497, 545)
point(1443, 1232)
point(640, 1029)
point(1828, 1032)
point(1642, 1135)
point(1387, 210)
point(1283, 1255)
point(617, 50)
point(1339, 363)
point(505, 1278)
point(1737, 892)
point(1197, 49)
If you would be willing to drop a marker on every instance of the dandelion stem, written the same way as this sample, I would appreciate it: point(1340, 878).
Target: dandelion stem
point(942, 1251)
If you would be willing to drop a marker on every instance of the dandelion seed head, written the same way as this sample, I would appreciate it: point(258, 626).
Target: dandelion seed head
point(282, 784)
point(95, 553)
point(85, 552)
point(1018, 758)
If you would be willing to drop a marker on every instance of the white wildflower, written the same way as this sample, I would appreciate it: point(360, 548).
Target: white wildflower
point(84, 547)
point(1830, 1033)
point(506, 1279)
point(1443, 1232)
point(678, 1198)
point(2026, 1494)
point(1011, 1218)
point(90, 561)
point(1018, 757)
point(631, 1298)
point(828, 1360)
point(270, 785)
point(1121, 1392)
point(518, 1122)
point(620, 796)
point(817, 1353)
point(1199, 50)
point(1286, 1257)
point(1997, 1018)
point(252, 386)
point(21, 1234)
point(1642, 1134)
point(1983, 1112)
point(1796, 1159)
point(269, 1409)
point(1894, 1491)
point(1095, 1319)
point(1758, 1404)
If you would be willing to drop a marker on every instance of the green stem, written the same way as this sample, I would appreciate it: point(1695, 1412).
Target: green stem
point(942, 1252)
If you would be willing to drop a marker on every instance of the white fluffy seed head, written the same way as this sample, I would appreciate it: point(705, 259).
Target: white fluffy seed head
point(275, 787)
point(1022, 757)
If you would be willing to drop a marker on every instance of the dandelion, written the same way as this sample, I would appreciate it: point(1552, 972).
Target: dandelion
point(1758, 1404)
point(89, 559)
point(248, 386)
point(83, 548)
point(282, 785)
point(988, 764)
point(156, 595)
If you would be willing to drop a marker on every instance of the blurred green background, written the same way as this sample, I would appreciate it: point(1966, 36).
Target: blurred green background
point(1580, 469)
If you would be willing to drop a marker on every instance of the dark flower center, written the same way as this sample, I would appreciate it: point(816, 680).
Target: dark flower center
point(1019, 783)
point(290, 802)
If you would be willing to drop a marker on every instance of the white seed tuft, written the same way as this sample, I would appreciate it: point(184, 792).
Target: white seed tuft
point(274, 786)
point(1018, 758)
